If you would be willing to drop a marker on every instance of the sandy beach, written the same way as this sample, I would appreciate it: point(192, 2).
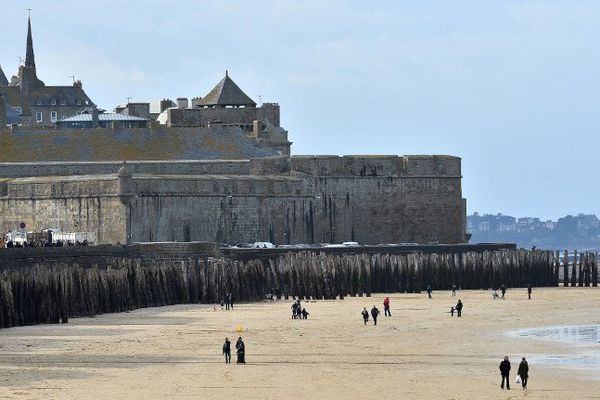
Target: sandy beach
point(420, 352)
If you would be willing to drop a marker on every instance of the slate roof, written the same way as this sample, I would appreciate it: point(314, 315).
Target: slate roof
point(227, 93)
point(103, 117)
point(3, 80)
point(63, 95)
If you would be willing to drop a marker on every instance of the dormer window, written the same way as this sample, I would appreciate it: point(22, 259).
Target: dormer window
point(78, 102)
point(38, 102)
point(53, 102)
point(63, 102)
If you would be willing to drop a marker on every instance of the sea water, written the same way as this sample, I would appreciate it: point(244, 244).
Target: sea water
point(584, 338)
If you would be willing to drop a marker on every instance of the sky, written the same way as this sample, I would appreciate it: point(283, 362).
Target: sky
point(511, 87)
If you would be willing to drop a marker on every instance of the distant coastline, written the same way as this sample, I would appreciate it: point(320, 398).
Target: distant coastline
point(580, 232)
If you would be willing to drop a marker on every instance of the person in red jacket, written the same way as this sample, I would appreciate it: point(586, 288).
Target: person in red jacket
point(386, 307)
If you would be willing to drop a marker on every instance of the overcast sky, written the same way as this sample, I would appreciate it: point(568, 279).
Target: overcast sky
point(512, 87)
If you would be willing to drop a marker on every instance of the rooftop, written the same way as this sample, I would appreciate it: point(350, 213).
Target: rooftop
point(103, 117)
point(227, 93)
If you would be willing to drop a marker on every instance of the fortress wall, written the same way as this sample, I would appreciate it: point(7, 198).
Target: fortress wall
point(368, 166)
point(389, 210)
point(103, 215)
point(180, 117)
point(169, 167)
point(299, 200)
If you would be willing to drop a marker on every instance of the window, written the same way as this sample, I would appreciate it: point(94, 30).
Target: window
point(39, 117)
point(53, 116)
point(53, 102)
point(38, 102)
point(78, 102)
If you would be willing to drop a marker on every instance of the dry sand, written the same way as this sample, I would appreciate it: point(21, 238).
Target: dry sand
point(420, 352)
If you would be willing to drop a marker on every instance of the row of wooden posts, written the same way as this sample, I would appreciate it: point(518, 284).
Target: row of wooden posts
point(53, 291)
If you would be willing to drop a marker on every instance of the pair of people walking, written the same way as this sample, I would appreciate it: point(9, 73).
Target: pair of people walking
point(240, 351)
point(523, 373)
point(227, 301)
point(374, 314)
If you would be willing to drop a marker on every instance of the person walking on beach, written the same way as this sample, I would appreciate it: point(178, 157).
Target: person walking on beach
point(503, 291)
point(524, 372)
point(452, 311)
point(458, 308)
point(529, 291)
point(505, 372)
point(429, 291)
point(386, 307)
point(241, 351)
point(365, 315)
point(230, 298)
point(227, 351)
point(374, 314)
point(226, 301)
point(453, 290)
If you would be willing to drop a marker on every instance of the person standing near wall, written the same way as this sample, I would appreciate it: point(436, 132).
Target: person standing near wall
point(529, 291)
point(429, 290)
point(503, 291)
point(365, 315)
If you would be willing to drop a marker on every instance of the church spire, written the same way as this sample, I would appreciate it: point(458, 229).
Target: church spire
point(29, 56)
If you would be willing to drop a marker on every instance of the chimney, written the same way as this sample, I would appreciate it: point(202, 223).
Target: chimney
point(94, 117)
point(164, 104)
point(256, 128)
point(182, 102)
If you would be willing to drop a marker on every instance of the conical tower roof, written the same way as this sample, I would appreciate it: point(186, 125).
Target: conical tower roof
point(227, 93)
point(29, 55)
point(3, 80)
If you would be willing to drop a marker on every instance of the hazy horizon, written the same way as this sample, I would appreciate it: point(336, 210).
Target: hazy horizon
point(509, 86)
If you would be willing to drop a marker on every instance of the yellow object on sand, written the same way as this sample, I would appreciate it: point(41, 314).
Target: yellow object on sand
point(239, 329)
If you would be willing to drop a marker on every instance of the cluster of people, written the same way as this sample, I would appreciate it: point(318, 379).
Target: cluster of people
point(522, 373)
point(374, 314)
point(458, 308)
point(227, 301)
point(299, 312)
point(240, 351)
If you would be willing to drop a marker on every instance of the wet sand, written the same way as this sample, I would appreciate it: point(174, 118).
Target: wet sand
point(420, 352)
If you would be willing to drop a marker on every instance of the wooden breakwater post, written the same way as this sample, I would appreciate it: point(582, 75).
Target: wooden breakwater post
point(34, 291)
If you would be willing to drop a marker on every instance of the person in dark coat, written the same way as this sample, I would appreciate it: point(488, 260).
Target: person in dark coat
point(230, 298)
point(429, 291)
point(365, 315)
point(226, 301)
point(386, 307)
point(524, 372)
point(458, 308)
point(453, 290)
point(241, 351)
point(305, 313)
point(529, 291)
point(503, 291)
point(227, 351)
point(374, 314)
point(505, 372)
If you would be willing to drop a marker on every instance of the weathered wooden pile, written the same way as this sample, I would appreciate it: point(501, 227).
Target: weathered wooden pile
point(582, 270)
point(53, 291)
